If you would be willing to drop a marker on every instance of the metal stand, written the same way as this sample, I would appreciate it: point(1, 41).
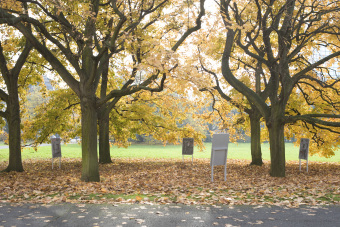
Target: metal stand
point(59, 163)
point(300, 164)
point(225, 166)
point(192, 159)
point(212, 173)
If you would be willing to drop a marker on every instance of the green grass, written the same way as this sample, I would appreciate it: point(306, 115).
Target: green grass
point(69, 151)
point(236, 151)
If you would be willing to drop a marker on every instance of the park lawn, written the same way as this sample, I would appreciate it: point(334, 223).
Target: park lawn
point(235, 151)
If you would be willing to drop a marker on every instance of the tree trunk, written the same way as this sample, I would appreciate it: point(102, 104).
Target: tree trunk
point(255, 143)
point(277, 147)
point(104, 140)
point(104, 119)
point(255, 123)
point(13, 120)
point(90, 167)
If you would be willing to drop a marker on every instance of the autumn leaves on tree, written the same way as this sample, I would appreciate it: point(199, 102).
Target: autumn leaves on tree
point(90, 36)
point(122, 62)
point(281, 35)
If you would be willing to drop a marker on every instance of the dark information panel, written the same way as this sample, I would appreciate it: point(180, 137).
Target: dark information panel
point(56, 150)
point(304, 149)
point(188, 146)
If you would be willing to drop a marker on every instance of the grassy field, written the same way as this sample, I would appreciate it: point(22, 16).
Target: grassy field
point(236, 151)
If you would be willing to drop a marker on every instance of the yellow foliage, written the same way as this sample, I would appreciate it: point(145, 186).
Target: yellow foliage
point(11, 5)
point(158, 115)
point(59, 114)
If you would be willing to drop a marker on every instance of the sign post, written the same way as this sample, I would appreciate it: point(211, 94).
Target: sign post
point(303, 152)
point(188, 148)
point(56, 150)
point(219, 152)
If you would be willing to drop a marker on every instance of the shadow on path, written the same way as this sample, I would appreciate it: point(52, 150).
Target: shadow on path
point(165, 215)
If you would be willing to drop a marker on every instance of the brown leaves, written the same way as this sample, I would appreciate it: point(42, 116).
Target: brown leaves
point(167, 181)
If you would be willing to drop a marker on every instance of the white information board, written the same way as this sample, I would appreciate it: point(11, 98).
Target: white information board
point(304, 151)
point(219, 152)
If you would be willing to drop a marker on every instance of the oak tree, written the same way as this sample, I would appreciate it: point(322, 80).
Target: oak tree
point(79, 39)
point(280, 35)
point(17, 74)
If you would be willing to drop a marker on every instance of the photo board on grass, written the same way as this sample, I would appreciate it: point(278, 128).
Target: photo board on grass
point(56, 150)
point(188, 147)
point(219, 153)
point(304, 151)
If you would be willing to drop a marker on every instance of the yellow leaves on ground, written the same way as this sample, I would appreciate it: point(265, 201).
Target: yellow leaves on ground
point(160, 181)
point(139, 198)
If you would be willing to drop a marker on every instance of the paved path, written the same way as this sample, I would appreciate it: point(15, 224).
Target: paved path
point(165, 215)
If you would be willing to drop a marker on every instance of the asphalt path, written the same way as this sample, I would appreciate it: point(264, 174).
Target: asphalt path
point(83, 215)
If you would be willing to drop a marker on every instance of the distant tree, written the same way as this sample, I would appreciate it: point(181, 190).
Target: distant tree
point(243, 106)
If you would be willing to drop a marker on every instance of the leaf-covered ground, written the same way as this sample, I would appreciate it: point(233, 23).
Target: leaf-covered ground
point(163, 181)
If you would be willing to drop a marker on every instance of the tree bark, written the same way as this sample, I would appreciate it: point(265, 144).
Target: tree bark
point(277, 145)
point(12, 113)
point(13, 120)
point(255, 139)
point(90, 167)
point(104, 119)
point(104, 137)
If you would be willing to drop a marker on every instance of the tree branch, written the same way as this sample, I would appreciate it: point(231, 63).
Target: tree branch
point(3, 66)
point(22, 59)
point(302, 73)
point(193, 29)
point(44, 51)
point(313, 119)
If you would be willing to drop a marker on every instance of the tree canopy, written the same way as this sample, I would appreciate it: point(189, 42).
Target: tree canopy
point(281, 35)
point(82, 39)
point(124, 68)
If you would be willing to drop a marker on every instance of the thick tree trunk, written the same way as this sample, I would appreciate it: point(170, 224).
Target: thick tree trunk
point(104, 137)
point(104, 120)
point(13, 120)
point(90, 167)
point(277, 148)
point(255, 130)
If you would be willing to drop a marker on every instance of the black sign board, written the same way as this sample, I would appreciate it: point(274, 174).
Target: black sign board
point(188, 146)
point(304, 149)
point(56, 150)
